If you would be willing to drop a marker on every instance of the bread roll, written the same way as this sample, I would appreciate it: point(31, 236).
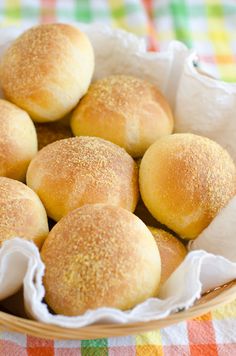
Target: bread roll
point(18, 141)
point(50, 132)
point(172, 251)
point(47, 70)
point(185, 180)
point(21, 213)
point(99, 256)
point(128, 111)
point(83, 170)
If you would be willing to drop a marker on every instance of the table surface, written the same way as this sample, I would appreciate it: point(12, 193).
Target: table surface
point(210, 28)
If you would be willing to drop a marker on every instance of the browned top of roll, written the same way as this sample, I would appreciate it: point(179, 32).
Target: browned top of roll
point(40, 42)
point(103, 252)
point(126, 110)
point(14, 120)
point(125, 96)
point(21, 212)
point(84, 155)
point(123, 93)
point(18, 141)
point(191, 177)
point(203, 170)
point(72, 172)
point(47, 69)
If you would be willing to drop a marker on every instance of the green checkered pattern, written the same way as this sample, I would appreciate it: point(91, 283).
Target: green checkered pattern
point(127, 14)
point(208, 26)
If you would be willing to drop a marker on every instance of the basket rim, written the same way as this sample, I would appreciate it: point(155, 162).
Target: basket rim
point(211, 300)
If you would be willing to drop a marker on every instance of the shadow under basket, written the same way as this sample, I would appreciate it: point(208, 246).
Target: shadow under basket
point(209, 301)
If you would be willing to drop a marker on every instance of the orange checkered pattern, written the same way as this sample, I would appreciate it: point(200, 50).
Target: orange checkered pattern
point(213, 334)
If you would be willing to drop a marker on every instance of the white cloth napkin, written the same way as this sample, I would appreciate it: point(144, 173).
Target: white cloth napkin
point(201, 105)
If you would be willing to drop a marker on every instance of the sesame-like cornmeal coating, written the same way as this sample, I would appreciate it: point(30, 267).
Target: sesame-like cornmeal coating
point(18, 141)
point(126, 110)
point(99, 256)
point(185, 180)
point(83, 170)
point(47, 69)
point(21, 213)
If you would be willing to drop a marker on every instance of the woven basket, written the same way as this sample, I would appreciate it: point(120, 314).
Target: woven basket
point(207, 302)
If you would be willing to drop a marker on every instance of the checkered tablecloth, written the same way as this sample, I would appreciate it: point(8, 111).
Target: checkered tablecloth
point(208, 26)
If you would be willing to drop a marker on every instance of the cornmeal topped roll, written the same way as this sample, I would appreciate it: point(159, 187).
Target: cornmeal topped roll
point(128, 111)
point(99, 256)
point(83, 170)
point(47, 70)
point(185, 180)
point(18, 141)
point(22, 214)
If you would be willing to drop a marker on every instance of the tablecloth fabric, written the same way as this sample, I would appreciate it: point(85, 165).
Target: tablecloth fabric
point(208, 26)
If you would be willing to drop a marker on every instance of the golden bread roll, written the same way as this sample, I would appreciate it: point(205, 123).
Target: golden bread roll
point(172, 252)
point(18, 142)
point(185, 180)
point(21, 213)
point(99, 256)
point(47, 70)
point(128, 111)
point(50, 132)
point(83, 170)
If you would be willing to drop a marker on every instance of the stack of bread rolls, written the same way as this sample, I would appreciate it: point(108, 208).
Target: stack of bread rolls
point(100, 144)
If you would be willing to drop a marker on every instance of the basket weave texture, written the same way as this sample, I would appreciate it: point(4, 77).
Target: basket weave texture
point(206, 303)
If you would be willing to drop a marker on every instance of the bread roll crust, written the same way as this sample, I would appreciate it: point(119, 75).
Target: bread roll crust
point(18, 141)
point(172, 251)
point(83, 170)
point(128, 111)
point(22, 214)
point(47, 70)
point(185, 180)
point(99, 255)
